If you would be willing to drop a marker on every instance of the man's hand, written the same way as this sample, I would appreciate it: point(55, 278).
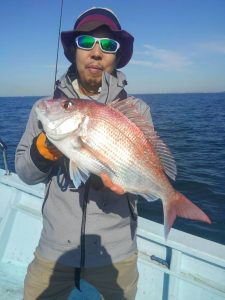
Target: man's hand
point(47, 149)
point(109, 184)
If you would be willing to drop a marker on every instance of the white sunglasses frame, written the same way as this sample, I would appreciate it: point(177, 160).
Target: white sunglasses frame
point(97, 40)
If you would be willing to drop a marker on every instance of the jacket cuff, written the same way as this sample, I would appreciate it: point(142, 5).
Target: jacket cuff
point(40, 162)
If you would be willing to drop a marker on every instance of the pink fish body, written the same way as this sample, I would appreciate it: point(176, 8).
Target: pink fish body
point(114, 139)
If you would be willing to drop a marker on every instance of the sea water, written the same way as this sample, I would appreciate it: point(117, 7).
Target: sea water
point(193, 127)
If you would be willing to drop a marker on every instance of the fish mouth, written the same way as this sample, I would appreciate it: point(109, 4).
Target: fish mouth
point(52, 109)
point(56, 121)
point(42, 106)
point(51, 121)
point(43, 109)
point(52, 128)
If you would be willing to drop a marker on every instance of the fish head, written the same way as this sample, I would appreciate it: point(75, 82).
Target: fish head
point(59, 117)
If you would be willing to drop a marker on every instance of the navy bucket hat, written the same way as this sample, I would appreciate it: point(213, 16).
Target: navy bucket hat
point(91, 20)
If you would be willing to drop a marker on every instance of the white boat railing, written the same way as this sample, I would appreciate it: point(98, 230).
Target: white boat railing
point(3, 148)
point(183, 268)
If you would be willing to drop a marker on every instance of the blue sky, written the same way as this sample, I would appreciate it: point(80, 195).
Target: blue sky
point(179, 45)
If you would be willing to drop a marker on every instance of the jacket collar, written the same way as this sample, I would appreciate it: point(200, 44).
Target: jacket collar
point(112, 84)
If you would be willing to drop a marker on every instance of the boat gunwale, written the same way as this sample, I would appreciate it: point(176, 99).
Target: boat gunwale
point(184, 242)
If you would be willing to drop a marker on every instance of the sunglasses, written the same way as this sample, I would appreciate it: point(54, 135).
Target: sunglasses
point(87, 42)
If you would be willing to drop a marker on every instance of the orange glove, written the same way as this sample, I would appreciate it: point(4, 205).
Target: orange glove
point(47, 150)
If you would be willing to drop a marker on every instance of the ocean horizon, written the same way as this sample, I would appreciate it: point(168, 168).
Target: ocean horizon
point(193, 127)
point(133, 94)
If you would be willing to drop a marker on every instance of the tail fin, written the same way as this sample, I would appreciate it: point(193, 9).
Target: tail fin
point(180, 206)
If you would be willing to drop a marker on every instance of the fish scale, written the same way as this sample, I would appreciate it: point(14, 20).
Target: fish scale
point(118, 141)
point(116, 147)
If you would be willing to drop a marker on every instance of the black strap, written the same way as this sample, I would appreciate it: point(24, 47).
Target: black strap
point(77, 271)
point(131, 208)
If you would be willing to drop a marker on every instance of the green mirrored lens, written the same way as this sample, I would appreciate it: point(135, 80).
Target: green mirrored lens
point(86, 41)
point(108, 45)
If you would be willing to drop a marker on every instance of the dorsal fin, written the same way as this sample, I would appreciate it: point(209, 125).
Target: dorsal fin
point(138, 112)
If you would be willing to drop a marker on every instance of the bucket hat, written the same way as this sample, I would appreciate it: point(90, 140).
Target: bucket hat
point(91, 20)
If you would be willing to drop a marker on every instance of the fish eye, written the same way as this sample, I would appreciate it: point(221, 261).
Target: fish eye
point(67, 104)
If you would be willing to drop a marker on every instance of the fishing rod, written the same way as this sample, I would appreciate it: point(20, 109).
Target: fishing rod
point(57, 53)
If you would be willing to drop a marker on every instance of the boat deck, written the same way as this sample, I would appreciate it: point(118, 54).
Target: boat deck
point(184, 267)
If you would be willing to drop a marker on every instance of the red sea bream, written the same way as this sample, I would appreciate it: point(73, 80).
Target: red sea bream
point(115, 140)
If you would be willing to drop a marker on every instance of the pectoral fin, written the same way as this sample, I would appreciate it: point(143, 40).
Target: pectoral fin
point(77, 176)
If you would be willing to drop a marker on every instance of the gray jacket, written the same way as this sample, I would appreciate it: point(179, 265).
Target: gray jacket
point(111, 220)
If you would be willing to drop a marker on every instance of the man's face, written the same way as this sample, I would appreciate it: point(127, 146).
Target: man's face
point(91, 63)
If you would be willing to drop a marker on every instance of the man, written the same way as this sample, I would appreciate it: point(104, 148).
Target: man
point(91, 230)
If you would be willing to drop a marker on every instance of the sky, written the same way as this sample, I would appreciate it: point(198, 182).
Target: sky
point(179, 44)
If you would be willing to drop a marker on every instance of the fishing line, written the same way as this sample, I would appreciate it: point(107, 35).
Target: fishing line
point(77, 271)
point(57, 53)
